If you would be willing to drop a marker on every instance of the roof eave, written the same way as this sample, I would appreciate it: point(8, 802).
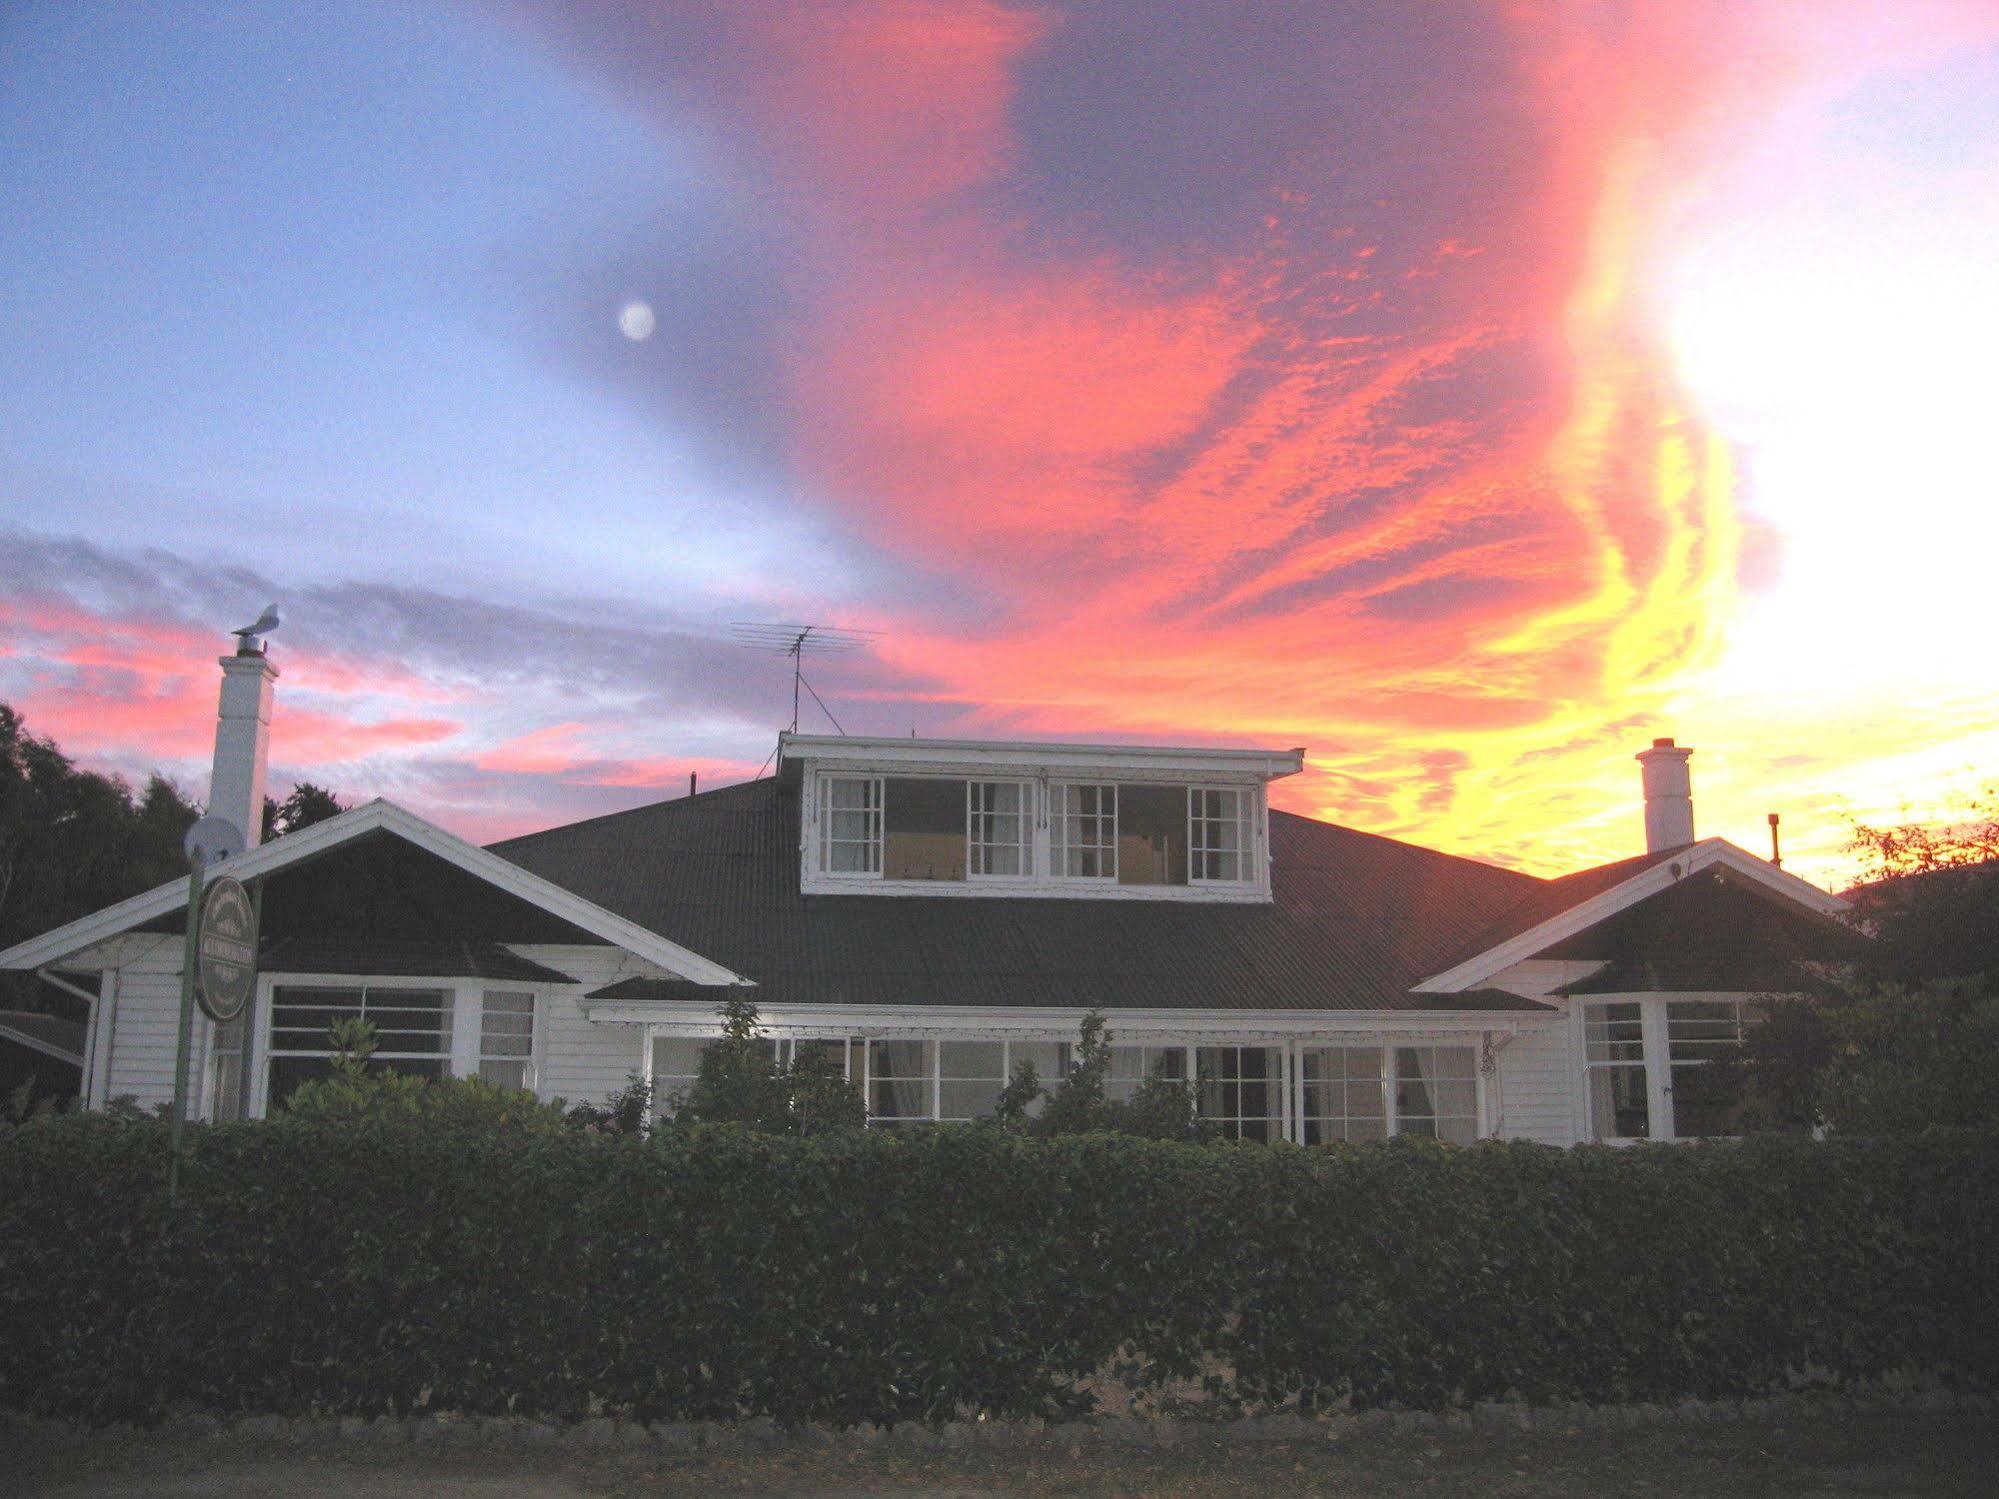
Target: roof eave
point(1708, 853)
point(375, 816)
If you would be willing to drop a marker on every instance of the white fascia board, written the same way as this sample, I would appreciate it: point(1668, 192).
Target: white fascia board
point(1023, 758)
point(1708, 853)
point(698, 1018)
point(374, 816)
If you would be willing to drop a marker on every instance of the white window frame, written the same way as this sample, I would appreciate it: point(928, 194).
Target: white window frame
point(1059, 818)
point(874, 813)
point(974, 787)
point(461, 1058)
point(527, 1061)
point(1245, 822)
point(1390, 1049)
point(1655, 1012)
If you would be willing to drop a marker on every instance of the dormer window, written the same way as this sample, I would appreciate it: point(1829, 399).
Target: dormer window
point(972, 818)
point(926, 828)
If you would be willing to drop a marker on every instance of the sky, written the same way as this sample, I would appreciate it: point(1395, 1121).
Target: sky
point(1468, 392)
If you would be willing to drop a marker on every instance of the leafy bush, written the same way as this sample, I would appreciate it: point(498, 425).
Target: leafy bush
point(354, 1094)
point(1159, 1109)
point(742, 1082)
point(1885, 1059)
point(389, 1265)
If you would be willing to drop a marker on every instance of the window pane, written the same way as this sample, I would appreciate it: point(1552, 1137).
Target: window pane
point(850, 830)
point(1241, 1090)
point(899, 1080)
point(1130, 1065)
point(967, 1101)
point(1618, 1107)
point(505, 1074)
point(1699, 1030)
point(1086, 832)
point(971, 1059)
point(996, 813)
point(1152, 835)
point(1436, 1092)
point(925, 822)
point(1218, 824)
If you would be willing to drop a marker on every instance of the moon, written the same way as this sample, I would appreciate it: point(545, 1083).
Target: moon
point(635, 321)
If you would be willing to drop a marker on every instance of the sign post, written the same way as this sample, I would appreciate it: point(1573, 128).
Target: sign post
point(218, 962)
point(178, 1119)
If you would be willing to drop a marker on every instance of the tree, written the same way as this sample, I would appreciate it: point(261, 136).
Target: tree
point(73, 841)
point(1930, 894)
point(306, 805)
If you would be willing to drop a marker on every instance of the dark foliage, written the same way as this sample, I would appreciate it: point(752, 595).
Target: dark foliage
point(715, 1272)
point(72, 841)
point(306, 805)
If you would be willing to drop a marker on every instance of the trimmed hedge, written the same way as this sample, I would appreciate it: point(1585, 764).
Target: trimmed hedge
point(717, 1274)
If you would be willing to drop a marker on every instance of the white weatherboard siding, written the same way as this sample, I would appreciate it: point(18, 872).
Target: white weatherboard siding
point(582, 1061)
point(145, 1021)
point(1536, 1082)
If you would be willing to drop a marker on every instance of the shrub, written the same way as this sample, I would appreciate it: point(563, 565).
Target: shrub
point(1159, 1108)
point(742, 1082)
point(716, 1272)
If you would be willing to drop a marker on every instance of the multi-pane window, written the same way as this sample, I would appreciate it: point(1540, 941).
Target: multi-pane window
point(1242, 1090)
point(1344, 1095)
point(1650, 1067)
point(899, 1077)
point(850, 825)
point(1436, 1092)
point(970, 1076)
point(506, 1038)
point(1699, 1032)
point(1614, 1052)
point(1132, 1065)
point(1085, 829)
point(412, 1030)
point(1218, 838)
point(997, 829)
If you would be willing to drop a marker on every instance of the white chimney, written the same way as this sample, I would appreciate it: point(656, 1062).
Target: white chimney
point(1669, 796)
point(242, 741)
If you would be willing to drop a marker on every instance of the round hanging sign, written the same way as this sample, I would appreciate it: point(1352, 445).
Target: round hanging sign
point(225, 972)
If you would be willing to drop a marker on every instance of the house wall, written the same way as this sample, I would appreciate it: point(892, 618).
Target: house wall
point(1531, 1095)
point(142, 1027)
point(138, 1029)
point(582, 1062)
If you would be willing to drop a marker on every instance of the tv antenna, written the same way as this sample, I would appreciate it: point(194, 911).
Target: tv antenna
point(798, 642)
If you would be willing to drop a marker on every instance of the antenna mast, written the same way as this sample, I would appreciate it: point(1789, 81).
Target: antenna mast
point(798, 642)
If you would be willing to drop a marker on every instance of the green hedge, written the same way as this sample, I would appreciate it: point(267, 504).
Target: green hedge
point(871, 1277)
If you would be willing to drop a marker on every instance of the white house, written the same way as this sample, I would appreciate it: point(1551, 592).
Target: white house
point(931, 912)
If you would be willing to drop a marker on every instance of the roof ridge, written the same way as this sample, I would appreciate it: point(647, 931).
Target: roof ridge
point(501, 845)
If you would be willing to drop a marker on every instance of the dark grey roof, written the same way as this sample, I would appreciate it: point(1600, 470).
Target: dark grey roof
point(49, 1034)
point(1355, 921)
point(1549, 898)
point(412, 959)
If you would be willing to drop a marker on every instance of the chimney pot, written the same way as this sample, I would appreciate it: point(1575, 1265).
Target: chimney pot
point(1666, 743)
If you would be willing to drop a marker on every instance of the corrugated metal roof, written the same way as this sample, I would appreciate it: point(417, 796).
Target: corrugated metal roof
point(1355, 920)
